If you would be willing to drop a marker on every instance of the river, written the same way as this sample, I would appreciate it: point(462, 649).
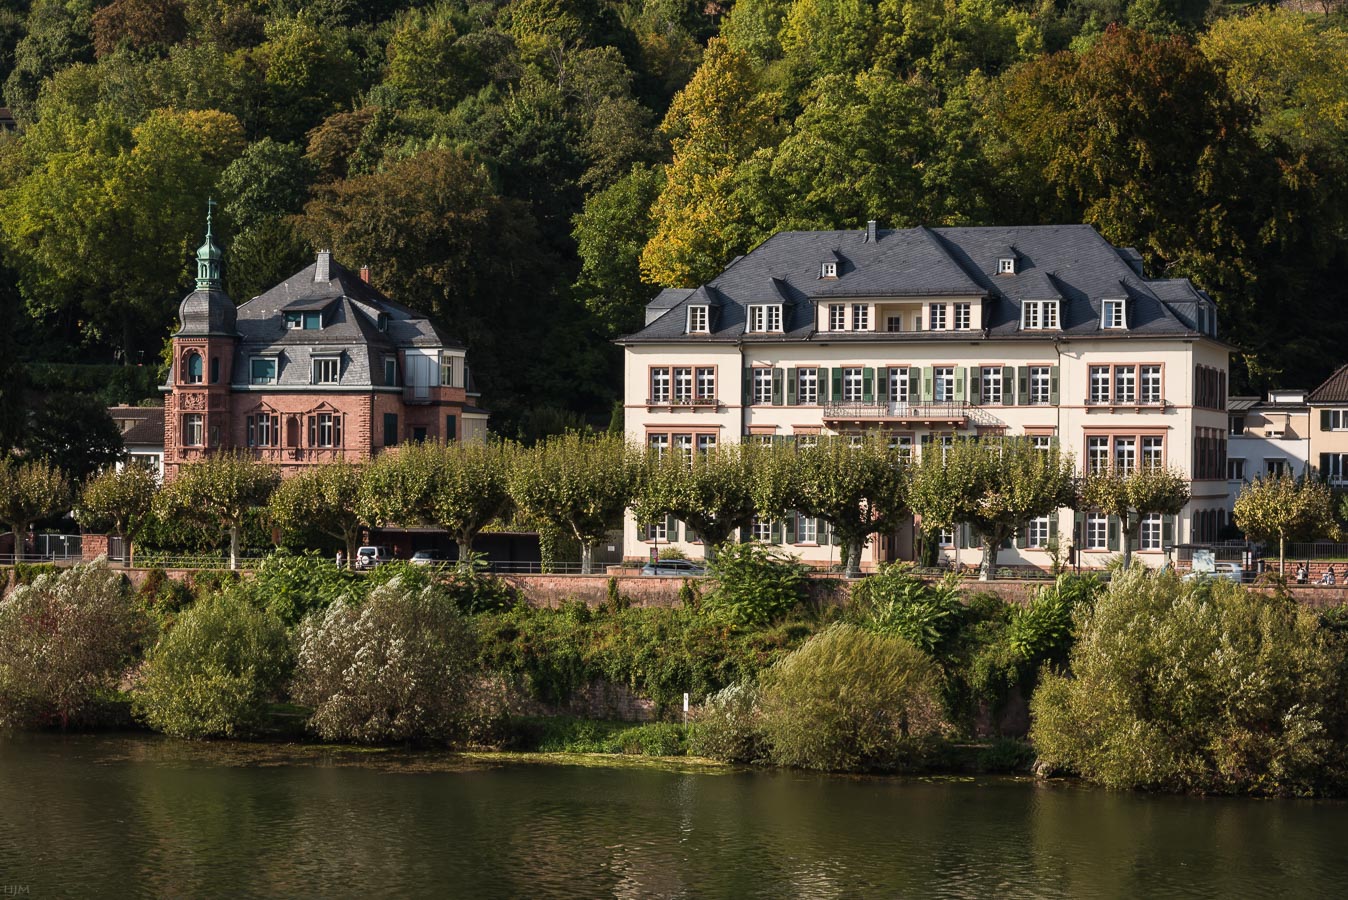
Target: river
point(123, 816)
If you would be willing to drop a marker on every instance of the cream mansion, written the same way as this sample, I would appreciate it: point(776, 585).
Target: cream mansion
point(926, 334)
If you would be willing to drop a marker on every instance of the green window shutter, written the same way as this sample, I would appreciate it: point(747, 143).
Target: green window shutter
point(1324, 465)
point(928, 391)
point(1053, 385)
point(1167, 531)
point(1017, 539)
point(748, 386)
point(776, 387)
point(746, 534)
point(882, 385)
point(1324, 420)
point(975, 384)
point(1023, 385)
point(1053, 524)
point(790, 528)
point(1008, 386)
point(776, 532)
point(837, 385)
point(790, 387)
point(1078, 528)
point(914, 384)
point(867, 385)
point(959, 383)
point(1113, 533)
point(832, 535)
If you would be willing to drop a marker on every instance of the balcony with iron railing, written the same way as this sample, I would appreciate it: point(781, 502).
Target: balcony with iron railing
point(954, 413)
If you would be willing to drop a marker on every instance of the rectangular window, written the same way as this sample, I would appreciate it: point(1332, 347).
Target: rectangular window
point(1125, 384)
point(1125, 455)
point(1097, 455)
point(837, 317)
point(1097, 531)
point(936, 316)
point(262, 371)
point(852, 385)
point(192, 430)
point(706, 383)
point(807, 530)
point(683, 444)
point(894, 323)
point(947, 537)
point(1099, 384)
point(325, 430)
point(807, 386)
point(1042, 442)
point(1153, 452)
point(447, 370)
point(765, 317)
point(451, 428)
point(264, 431)
point(660, 385)
point(391, 371)
point(697, 319)
point(963, 317)
point(991, 388)
point(1151, 532)
point(659, 443)
point(898, 385)
point(683, 385)
point(1151, 384)
point(294, 320)
point(1235, 469)
point(390, 429)
point(326, 370)
point(1335, 467)
point(658, 531)
point(1039, 384)
point(762, 386)
point(1036, 532)
point(706, 443)
point(861, 317)
point(313, 321)
point(1006, 266)
point(1039, 314)
point(1236, 425)
point(762, 531)
point(1275, 468)
point(943, 384)
point(804, 441)
point(1113, 314)
point(1334, 420)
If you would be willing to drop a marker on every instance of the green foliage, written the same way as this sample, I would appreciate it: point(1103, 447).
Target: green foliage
point(755, 585)
point(712, 492)
point(1043, 631)
point(851, 700)
point(30, 491)
point(398, 667)
point(728, 726)
point(1134, 495)
point(858, 490)
point(75, 433)
point(65, 641)
point(1285, 509)
point(120, 502)
point(1196, 686)
point(896, 602)
point(291, 587)
point(215, 670)
point(326, 497)
point(563, 734)
point(220, 492)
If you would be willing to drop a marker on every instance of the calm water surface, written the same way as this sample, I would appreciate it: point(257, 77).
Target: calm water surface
point(142, 816)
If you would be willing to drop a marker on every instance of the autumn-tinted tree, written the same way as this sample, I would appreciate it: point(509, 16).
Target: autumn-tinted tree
point(1285, 509)
point(1134, 495)
point(138, 25)
point(858, 488)
point(220, 492)
point(29, 491)
point(326, 497)
point(120, 501)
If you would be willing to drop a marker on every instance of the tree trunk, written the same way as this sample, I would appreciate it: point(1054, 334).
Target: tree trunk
point(233, 547)
point(709, 552)
point(1282, 555)
point(987, 570)
point(465, 554)
point(352, 541)
point(586, 558)
point(1125, 537)
point(854, 558)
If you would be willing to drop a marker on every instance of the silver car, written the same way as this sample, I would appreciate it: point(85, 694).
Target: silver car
point(1227, 571)
point(684, 567)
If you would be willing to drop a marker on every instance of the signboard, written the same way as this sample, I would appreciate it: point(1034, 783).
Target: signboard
point(1204, 561)
point(655, 556)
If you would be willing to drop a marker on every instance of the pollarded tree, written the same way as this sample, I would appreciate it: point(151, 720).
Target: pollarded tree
point(1132, 496)
point(1285, 509)
point(711, 492)
point(1014, 482)
point(30, 491)
point(219, 491)
point(576, 485)
point(120, 501)
point(326, 497)
point(458, 487)
point(941, 496)
point(857, 488)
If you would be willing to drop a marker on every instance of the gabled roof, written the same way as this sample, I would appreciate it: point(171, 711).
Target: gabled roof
point(1333, 389)
point(1071, 263)
point(147, 425)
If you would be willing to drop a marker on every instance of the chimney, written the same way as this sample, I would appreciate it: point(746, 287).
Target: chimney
point(365, 274)
point(871, 236)
point(323, 271)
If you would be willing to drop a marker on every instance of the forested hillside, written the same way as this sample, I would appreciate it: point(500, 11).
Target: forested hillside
point(530, 172)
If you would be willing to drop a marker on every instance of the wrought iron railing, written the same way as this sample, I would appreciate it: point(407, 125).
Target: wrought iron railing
point(947, 410)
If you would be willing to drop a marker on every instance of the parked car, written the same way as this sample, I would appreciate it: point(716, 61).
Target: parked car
point(370, 556)
point(1226, 570)
point(684, 567)
point(429, 558)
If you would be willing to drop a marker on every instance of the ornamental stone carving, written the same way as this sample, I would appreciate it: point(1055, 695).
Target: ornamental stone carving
point(194, 401)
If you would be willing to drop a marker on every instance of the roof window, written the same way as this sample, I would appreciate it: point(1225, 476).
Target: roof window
point(828, 269)
point(1006, 265)
point(1113, 314)
point(697, 320)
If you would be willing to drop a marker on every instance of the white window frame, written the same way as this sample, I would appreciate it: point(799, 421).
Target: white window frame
point(1041, 442)
point(254, 360)
point(682, 377)
point(990, 389)
point(1096, 531)
point(661, 384)
point(936, 316)
point(658, 531)
point(704, 383)
point(1153, 451)
point(837, 317)
point(853, 384)
point(698, 320)
point(1125, 454)
point(762, 386)
point(1149, 535)
point(1039, 315)
point(1125, 384)
point(893, 324)
point(682, 442)
point(943, 384)
point(1041, 385)
point(903, 445)
point(1097, 454)
point(898, 384)
point(765, 318)
point(807, 386)
point(1101, 383)
point(1149, 384)
point(807, 530)
point(762, 531)
point(828, 270)
point(1235, 468)
point(1006, 265)
point(333, 363)
point(659, 442)
point(963, 316)
point(706, 443)
point(1037, 533)
point(194, 430)
point(861, 317)
point(1113, 314)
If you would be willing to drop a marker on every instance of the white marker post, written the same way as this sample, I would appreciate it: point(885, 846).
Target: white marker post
point(685, 709)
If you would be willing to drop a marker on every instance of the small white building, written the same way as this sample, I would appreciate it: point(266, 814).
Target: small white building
point(1270, 436)
point(142, 429)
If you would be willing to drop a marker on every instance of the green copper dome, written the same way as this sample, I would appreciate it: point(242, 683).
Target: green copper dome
point(208, 257)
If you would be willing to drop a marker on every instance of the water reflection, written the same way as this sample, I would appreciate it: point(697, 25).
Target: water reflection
point(151, 817)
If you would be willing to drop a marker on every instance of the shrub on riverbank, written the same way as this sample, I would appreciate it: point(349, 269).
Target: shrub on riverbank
point(1196, 686)
point(754, 585)
point(729, 726)
point(397, 667)
point(65, 641)
point(851, 700)
point(213, 673)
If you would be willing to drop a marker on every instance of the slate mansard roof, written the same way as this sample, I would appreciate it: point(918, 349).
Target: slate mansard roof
point(1069, 263)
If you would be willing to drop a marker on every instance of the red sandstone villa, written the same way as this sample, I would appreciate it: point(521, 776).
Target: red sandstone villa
point(321, 367)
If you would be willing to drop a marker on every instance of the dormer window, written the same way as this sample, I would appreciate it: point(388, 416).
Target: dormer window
point(382, 321)
point(765, 317)
point(1113, 314)
point(1039, 315)
point(828, 270)
point(308, 321)
point(697, 320)
point(1006, 265)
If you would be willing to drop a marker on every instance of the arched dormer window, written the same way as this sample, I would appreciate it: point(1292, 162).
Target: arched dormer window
point(192, 368)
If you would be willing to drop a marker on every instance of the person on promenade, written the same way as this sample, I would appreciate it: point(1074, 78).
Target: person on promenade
point(1303, 574)
point(1328, 577)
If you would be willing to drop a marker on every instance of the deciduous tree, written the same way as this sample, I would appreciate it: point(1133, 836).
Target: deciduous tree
point(326, 497)
point(711, 492)
point(1283, 509)
point(30, 491)
point(1132, 496)
point(857, 488)
point(122, 499)
point(219, 492)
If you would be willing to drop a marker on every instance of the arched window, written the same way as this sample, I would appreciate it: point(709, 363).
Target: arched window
point(192, 368)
